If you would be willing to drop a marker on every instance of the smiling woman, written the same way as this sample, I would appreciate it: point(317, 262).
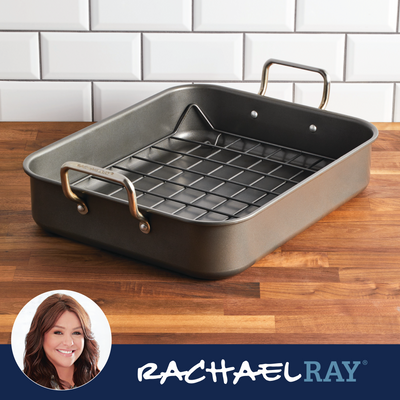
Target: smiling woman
point(60, 350)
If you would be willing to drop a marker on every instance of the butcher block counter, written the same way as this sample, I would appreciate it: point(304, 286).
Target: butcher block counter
point(336, 282)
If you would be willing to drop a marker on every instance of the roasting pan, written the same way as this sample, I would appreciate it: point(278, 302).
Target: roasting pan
point(201, 179)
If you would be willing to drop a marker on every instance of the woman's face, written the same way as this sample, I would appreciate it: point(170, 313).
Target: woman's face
point(64, 342)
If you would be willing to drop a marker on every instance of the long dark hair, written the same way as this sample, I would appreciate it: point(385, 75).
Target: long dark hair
point(36, 364)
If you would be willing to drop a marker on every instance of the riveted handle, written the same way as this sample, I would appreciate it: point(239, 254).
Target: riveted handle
point(104, 174)
point(323, 73)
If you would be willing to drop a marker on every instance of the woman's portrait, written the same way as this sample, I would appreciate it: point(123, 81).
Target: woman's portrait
point(60, 347)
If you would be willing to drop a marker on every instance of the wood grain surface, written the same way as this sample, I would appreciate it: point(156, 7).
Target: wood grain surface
point(336, 282)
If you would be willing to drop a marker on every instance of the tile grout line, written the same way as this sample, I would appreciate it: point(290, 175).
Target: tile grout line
point(91, 81)
point(192, 21)
point(92, 99)
point(398, 17)
point(359, 82)
point(293, 92)
point(40, 55)
point(243, 56)
point(345, 59)
point(141, 57)
point(271, 32)
point(396, 91)
point(90, 14)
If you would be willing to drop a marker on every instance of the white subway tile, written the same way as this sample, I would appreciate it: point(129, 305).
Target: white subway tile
point(44, 14)
point(281, 91)
point(373, 58)
point(276, 90)
point(239, 15)
point(369, 101)
point(324, 51)
point(113, 56)
point(112, 97)
point(143, 15)
point(250, 87)
point(45, 101)
point(200, 56)
point(397, 104)
point(347, 15)
point(19, 55)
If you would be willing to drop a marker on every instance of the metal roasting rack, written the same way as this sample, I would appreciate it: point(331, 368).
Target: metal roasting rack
point(205, 174)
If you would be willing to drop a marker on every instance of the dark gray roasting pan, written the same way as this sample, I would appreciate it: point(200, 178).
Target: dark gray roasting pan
point(201, 179)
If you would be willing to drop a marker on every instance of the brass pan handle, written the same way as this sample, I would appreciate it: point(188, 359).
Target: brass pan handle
point(323, 73)
point(105, 174)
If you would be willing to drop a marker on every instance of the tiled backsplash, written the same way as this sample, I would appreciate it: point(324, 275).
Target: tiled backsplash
point(83, 60)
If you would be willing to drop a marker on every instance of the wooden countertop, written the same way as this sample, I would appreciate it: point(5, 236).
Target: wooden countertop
point(337, 282)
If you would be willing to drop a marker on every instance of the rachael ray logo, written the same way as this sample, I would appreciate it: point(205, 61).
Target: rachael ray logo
point(312, 371)
point(94, 169)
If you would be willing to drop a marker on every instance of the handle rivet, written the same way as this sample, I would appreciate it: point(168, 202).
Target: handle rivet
point(313, 128)
point(254, 114)
point(81, 209)
point(145, 228)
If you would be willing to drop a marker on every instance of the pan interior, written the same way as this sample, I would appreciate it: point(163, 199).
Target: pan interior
point(204, 174)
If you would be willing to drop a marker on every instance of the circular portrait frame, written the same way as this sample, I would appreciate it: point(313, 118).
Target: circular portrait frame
point(99, 322)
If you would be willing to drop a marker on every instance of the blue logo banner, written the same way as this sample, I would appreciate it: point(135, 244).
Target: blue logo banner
point(229, 371)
